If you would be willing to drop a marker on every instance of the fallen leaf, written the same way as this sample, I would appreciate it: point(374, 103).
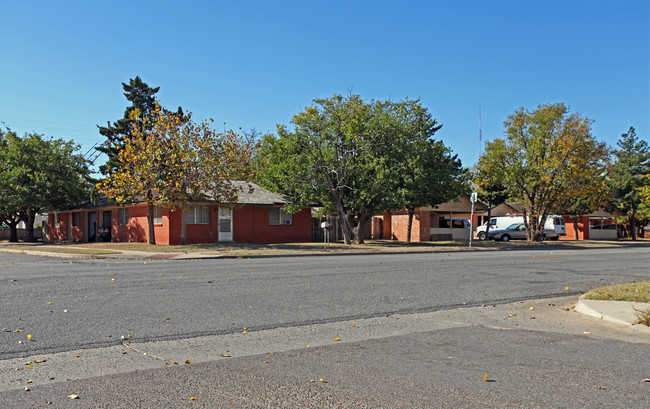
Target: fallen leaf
point(27, 388)
point(73, 396)
point(50, 302)
point(271, 352)
point(29, 336)
point(531, 308)
point(587, 332)
point(188, 361)
point(566, 288)
point(225, 355)
point(307, 346)
point(354, 325)
point(336, 339)
point(485, 378)
point(646, 380)
point(192, 398)
point(322, 380)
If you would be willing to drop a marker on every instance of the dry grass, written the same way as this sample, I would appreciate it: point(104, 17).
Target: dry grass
point(643, 314)
point(635, 291)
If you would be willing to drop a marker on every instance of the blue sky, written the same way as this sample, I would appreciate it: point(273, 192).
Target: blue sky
point(256, 63)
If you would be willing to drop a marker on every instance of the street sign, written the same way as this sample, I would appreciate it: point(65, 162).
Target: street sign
point(474, 197)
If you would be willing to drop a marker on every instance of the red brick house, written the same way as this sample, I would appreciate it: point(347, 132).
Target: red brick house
point(257, 217)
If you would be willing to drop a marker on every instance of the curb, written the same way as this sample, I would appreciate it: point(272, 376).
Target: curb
point(584, 309)
point(616, 312)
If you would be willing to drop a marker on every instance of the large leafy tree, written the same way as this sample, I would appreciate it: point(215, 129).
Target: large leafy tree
point(39, 173)
point(490, 188)
point(360, 158)
point(422, 171)
point(628, 176)
point(541, 156)
point(9, 201)
point(330, 158)
point(171, 161)
point(143, 100)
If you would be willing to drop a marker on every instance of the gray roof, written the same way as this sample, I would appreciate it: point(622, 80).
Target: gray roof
point(253, 194)
point(249, 193)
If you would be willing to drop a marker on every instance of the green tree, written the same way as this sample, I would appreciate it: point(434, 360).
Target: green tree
point(171, 161)
point(628, 176)
point(143, 99)
point(423, 171)
point(9, 205)
point(335, 157)
point(38, 174)
point(490, 188)
point(541, 155)
point(360, 158)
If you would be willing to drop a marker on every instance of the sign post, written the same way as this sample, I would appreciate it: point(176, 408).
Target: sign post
point(326, 234)
point(472, 199)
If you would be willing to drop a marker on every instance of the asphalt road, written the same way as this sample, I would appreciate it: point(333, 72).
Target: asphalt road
point(68, 304)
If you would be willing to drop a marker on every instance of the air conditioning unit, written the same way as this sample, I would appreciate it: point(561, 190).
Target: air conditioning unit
point(288, 222)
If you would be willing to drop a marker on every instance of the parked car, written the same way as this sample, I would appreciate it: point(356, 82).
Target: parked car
point(516, 231)
point(554, 227)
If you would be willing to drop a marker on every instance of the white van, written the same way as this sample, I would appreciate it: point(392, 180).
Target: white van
point(553, 228)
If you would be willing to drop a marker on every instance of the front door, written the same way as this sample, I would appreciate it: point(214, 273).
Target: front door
point(105, 231)
point(92, 226)
point(225, 224)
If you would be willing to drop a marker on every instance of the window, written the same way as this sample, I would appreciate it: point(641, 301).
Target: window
point(197, 215)
point(123, 216)
point(57, 220)
point(76, 219)
point(279, 216)
point(157, 215)
point(455, 224)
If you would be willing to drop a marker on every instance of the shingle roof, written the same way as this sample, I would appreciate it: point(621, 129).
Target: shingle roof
point(249, 193)
point(253, 194)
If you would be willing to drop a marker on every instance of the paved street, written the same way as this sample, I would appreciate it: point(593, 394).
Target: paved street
point(197, 310)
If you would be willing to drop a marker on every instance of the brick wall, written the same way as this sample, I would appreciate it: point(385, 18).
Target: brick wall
point(251, 225)
point(420, 229)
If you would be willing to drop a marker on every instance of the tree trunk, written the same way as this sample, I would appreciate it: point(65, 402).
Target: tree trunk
point(633, 222)
point(411, 211)
point(29, 225)
point(575, 227)
point(358, 229)
point(344, 222)
point(13, 229)
point(183, 228)
point(152, 231)
point(489, 216)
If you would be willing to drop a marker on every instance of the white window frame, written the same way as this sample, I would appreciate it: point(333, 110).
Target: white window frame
point(57, 220)
point(199, 214)
point(157, 215)
point(123, 216)
point(279, 217)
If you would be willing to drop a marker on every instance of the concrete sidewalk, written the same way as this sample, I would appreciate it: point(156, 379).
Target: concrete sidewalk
point(618, 312)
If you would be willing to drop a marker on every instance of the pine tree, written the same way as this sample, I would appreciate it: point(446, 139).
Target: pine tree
point(143, 98)
point(628, 175)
